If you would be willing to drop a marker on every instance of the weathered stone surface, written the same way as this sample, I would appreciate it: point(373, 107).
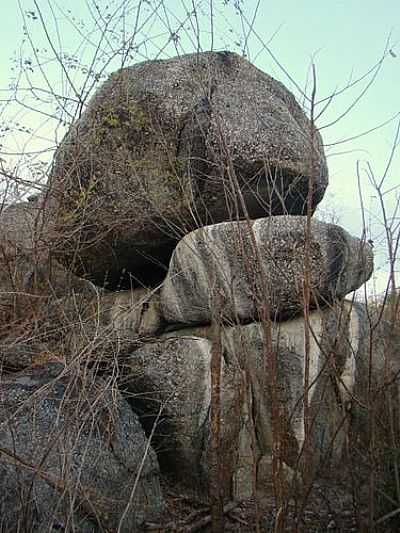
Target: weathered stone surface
point(162, 149)
point(259, 268)
point(44, 331)
point(136, 312)
point(18, 352)
point(173, 376)
point(18, 223)
point(70, 458)
point(334, 345)
point(28, 274)
point(171, 385)
point(19, 259)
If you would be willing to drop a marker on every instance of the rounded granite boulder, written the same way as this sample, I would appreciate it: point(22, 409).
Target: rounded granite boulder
point(167, 146)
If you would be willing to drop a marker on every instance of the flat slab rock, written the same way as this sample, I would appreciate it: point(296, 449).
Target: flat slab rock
point(71, 453)
point(147, 161)
point(230, 270)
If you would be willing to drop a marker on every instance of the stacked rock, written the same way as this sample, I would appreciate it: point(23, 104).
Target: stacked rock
point(192, 178)
point(204, 141)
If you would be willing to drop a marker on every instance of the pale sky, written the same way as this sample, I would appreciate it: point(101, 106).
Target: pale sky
point(344, 38)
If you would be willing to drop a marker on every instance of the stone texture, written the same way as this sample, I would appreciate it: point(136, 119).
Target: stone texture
point(173, 375)
point(171, 386)
point(45, 332)
point(136, 312)
point(70, 455)
point(97, 325)
point(249, 264)
point(163, 148)
point(333, 355)
point(18, 352)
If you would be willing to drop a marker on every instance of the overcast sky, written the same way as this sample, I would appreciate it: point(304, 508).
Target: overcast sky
point(344, 38)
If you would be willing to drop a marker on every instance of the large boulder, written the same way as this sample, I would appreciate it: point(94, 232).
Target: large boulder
point(164, 147)
point(73, 456)
point(20, 259)
point(334, 359)
point(259, 267)
point(170, 382)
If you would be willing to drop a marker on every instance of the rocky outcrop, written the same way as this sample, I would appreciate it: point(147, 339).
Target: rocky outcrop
point(251, 265)
point(93, 325)
point(171, 380)
point(73, 456)
point(151, 185)
point(167, 146)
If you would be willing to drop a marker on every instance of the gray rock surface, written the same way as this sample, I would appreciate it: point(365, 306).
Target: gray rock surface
point(171, 384)
point(163, 148)
point(136, 312)
point(18, 352)
point(249, 265)
point(65, 327)
point(334, 357)
point(172, 376)
point(71, 455)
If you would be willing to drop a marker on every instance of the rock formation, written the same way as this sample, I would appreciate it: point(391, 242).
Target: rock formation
point(265, 259)
point(30, 280)
point(188, 176)
point(165, 147)
point(71, 453)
